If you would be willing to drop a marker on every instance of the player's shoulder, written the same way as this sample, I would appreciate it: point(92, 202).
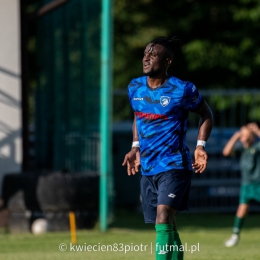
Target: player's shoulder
point(181, 85)
point(137, 82)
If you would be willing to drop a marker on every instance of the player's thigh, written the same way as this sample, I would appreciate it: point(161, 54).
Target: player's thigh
point(173, 189)
point(149, 198)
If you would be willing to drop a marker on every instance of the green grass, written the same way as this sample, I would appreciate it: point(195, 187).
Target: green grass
point(209, 230)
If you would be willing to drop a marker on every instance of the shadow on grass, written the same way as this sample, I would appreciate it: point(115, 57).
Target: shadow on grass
point(130, 219)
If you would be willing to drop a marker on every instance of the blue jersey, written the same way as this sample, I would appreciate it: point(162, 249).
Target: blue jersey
point(161, 120)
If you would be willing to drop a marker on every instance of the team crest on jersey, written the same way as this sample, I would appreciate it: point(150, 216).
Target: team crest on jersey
point(165, 101)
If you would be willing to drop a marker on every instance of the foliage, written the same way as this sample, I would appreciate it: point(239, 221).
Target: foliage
point(220, 41)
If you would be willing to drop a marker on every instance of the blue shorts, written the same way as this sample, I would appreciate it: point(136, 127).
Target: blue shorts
point(169, 188)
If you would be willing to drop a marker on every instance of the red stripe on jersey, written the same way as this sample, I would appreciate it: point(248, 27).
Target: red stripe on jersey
point(151, 116)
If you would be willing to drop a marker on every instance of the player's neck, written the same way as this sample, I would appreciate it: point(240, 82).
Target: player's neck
point(155, 82)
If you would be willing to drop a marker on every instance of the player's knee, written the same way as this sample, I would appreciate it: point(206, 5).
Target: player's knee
point(165, 214)
point(242, 210)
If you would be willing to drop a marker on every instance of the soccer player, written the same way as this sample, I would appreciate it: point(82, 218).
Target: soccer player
point(250, 173)
point(161, 104)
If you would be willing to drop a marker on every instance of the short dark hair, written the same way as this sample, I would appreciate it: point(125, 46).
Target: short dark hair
point(171, 44)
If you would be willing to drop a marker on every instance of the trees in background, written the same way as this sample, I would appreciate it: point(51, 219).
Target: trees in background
point(220, 42)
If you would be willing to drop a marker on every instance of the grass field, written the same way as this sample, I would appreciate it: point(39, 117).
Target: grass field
point(209, 230)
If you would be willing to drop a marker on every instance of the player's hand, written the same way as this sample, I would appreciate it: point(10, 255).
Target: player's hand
point(201, 157)
point(132, 161)
point(254, 128)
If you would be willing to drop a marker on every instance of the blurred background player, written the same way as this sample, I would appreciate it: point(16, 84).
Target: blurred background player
point(161, 104)
point(250, 173)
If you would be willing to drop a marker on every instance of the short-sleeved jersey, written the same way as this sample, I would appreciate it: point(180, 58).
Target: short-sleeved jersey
point(250, 164)
point(161, 120)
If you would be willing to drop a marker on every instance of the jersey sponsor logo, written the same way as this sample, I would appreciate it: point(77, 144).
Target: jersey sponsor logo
point(171, 195)
point(151, 116)
point(165, 101)
point(138, 98)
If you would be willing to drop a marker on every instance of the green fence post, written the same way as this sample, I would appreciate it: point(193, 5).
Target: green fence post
point(105, 111)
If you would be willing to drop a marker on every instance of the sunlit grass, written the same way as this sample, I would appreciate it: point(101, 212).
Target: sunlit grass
point(128, 232)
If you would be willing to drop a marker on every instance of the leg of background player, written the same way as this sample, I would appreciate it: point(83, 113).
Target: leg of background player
point(238, 223)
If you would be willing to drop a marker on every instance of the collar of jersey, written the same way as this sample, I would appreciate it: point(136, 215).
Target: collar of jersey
point(165, 82)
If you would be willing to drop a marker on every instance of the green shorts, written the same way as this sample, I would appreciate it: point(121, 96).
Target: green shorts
point(249, 192)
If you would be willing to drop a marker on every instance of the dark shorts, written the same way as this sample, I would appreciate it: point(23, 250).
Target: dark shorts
point(249, 192)
point(168, 188)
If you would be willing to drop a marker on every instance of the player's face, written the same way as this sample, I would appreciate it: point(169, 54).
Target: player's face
point(154, 61)
point(247, 138)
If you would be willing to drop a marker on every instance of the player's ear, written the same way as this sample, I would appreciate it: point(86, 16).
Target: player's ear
point(168, 61)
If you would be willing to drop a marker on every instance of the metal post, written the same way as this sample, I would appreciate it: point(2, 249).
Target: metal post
point(105, 111)
point(25, 81)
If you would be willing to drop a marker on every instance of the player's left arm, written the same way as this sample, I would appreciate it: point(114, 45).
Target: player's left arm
point(205, 127)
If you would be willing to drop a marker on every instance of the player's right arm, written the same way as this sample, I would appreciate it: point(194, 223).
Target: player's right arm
point(230, 144)
point(132, 159)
